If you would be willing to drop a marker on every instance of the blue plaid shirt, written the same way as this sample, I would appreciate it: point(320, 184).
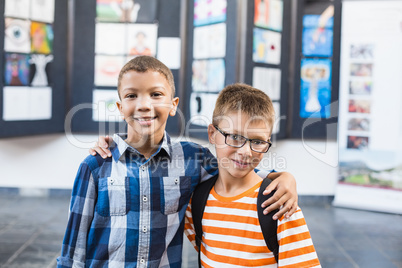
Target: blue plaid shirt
point(128, 211)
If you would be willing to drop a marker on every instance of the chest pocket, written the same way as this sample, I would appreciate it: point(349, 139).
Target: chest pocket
point(113, 196)
point(175, 192)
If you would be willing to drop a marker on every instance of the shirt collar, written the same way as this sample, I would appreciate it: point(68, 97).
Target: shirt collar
point(120, 146)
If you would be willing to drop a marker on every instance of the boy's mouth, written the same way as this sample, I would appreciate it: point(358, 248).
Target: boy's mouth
point(145, 121)
point(241, 164)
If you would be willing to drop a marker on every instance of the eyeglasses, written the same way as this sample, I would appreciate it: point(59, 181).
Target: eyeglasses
point(238, 141)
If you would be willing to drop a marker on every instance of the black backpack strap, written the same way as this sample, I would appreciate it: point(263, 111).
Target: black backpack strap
point(198, 202)
point(268, 225)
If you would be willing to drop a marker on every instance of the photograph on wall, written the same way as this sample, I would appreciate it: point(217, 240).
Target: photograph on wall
point(268, 80)
point(17, 8)
point(16, 69)
point(41, 38)
point(40, 103)
point(201, 108)
point(315, 88)
point(359, 124)
point(360, 106)
point(266, 46)
point(209, 11)
point(210, 41)
point(317, 40)
point(126, 10)
point(40, 66)
point(361, 69)
point(17, 35)
point(105, 109)
point(110, 38)
point(360, 87)
point(362, 51)
point(358, 142)
point(141, 39)
point(42, 10)
point(107, 69)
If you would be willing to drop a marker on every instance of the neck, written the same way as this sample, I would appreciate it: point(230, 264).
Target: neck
point(147, 145)
point(229, 186)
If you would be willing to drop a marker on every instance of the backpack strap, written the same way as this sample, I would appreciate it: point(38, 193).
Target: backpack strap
point(198, 202)
point(268, 225)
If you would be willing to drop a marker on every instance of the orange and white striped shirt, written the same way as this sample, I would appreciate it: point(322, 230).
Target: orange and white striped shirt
point(232, 235)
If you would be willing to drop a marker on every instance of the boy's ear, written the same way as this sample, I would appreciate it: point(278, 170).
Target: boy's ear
point(211, 133)
point(120, 107)
point(175, 103)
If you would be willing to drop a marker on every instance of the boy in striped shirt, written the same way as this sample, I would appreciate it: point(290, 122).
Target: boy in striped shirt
point(241, 128)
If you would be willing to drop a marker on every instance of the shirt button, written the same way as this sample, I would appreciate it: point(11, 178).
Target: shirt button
point(176, 181)
point(142, 261)
point(143, 168)
point(144, 229)
point(145, 199)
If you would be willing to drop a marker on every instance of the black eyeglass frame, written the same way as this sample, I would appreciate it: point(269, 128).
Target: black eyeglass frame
point(245, 141)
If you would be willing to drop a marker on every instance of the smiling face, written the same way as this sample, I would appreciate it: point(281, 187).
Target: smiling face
point(238, 162)
point(146, 103)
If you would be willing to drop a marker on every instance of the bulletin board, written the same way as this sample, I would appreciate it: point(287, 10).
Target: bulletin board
point(316, 76)
point(104, 40)
point(266, 57)
point(32, 67)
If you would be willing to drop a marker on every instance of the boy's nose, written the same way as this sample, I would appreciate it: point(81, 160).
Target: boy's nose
point(245, 149)
point(144, 104)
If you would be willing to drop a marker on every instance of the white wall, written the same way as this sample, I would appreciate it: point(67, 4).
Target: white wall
point(51, 161)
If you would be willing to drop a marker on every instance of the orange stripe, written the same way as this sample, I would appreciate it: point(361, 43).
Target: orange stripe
point(237, 261)
point(240, 205)
point(294, 238)
point(236, 246)
point(232, 232)
point(230, 218)
point(291, 224)
point(296, 252)
point(310, 263)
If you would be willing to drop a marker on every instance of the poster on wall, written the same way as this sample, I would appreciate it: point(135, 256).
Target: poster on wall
point(267, 46)
point(126, 10)
point(141, 39)
point(268, 14)
point(315, 88)
point(17, 35)
point(209, 11)
point(317, 39)
point(210, 41)
point(370, 151)
point(208, 75)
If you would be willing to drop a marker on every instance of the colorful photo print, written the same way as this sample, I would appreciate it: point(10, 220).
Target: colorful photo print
point(317, 39)
point(208, 75)
point(42, 10)
point(110, 38)
point(41, 38)
point(17, 8)
point(107, 69)
point(16, 69)
point(17, 37)
point(209, 11)
point(105, 109)
point(142, 39)
point(359, 124)
point(40, 66)
point(361, 69)
point(358, 142)
point(268, 80)
point(359, 106)
point(210, 41)
point(266, 46)
point(362, 51)
point(360, 87)
point(315, 94)
point(126, 10)
point(261, 13)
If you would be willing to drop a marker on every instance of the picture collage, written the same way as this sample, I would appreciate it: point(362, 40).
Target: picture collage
point(209, 51)
point(267, 39)
point(360, 83)
point(123, 29)
point(28, 57)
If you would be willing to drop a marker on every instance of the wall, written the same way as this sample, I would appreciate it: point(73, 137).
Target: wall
point(51, 161)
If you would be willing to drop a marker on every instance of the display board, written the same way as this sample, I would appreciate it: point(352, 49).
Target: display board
point(266, 56)
point(316, 76)
point(107, 34)
point(32, 67)
point(370, 114)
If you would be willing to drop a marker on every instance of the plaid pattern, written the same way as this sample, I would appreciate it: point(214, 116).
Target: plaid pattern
point(128, 211)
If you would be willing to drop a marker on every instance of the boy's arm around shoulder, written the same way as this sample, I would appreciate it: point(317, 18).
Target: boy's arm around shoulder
point(81, 212)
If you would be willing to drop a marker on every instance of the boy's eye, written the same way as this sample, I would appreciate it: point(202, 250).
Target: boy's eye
point(257, 142)
point(234, 137)
point(131, 96)
point(156, 94)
